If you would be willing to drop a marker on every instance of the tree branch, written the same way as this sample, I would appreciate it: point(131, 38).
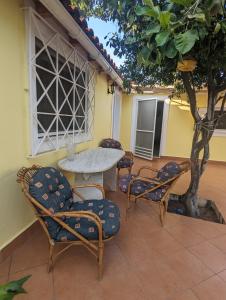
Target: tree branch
point(191, 95)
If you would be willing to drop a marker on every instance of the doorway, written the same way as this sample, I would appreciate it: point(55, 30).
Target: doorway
point(149, 126)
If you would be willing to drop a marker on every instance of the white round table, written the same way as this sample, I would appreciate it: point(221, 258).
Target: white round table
point(94, 166)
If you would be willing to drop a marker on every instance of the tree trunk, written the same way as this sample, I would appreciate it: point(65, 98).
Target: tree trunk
point(203, 132)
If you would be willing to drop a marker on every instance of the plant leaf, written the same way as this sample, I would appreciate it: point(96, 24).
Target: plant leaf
point(184, 42)
point(164, 18)
point(162, 37)
point(9, 290)
point(217, 28)
point(148, 3)
point(199, 17)
point(182, 2)
point(153, 29)
point(170, 50)
point(147, 11)
point(143, 56)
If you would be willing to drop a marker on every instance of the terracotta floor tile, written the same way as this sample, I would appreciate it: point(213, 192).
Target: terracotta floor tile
point(185, 295)
point(220, 243)
point(163, 242)
point(39, 286)
point(222, 275)
point(182, 233)
point(208, 230)
point(4, 267)
point(3, 280)
point(122, 285)
point(33, 252)
point(196, 271)
point(158, 279)
point(212, 289)
point(210, 255)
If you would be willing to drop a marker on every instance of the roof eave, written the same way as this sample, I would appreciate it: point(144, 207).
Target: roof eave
point(75, 31)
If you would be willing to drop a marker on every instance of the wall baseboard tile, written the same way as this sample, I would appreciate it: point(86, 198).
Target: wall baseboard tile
point(18, 241)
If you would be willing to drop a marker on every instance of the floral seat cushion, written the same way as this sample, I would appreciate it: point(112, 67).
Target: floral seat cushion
point(170, 170)
point(110, 143)
point(125, 162)
point(139, 186)
point(105, 209)
point(52, 190)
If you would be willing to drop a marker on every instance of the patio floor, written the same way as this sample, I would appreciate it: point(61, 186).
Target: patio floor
point(185, 260)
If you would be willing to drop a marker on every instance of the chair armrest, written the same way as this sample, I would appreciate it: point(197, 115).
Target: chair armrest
point(150, 180)
point(129, 154)
point(146, 168)
point(97, 186)
point(81, 214)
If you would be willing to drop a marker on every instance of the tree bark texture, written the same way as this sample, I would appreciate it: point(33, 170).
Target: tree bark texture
point(203, 131)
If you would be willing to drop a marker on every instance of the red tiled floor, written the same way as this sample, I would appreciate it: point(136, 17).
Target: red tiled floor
point(222, 275)
point(212, 289)
point(143, 262)
point(220, 243)
point(4, 267)
point(39, 286)
point(210, 255)
point(185, 295)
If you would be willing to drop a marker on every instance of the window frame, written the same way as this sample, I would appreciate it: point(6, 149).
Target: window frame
point(217, 132)
point(48, 140)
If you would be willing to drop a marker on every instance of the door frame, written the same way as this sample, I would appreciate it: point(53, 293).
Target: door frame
point(166, 101)
point(117, 91)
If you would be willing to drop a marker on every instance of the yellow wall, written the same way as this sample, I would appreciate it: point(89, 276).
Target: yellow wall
point(179, 130)
point(15, 214)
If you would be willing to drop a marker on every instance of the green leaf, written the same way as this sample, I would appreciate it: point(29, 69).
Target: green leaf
point(198, 17)
point(182, 2)
point(162, 37)
point(143, 56)
point(148, 3)
point(217, 28)
point(153, 29)
point(164, 18)
point(170, 50)
point(11, 289)
point(184, 42)
point(202, 32)
point(147, 11)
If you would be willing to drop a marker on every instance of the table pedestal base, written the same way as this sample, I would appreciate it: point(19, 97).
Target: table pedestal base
point(107, 179)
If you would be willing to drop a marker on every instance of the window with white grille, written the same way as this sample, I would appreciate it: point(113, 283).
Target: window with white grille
point(62, 86)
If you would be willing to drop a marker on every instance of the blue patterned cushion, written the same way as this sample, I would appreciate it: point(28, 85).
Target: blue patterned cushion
point(52, 190)
point(138, 187)
point(110, 143)
point(167, 172)
point(105, 209)
point(125, 162)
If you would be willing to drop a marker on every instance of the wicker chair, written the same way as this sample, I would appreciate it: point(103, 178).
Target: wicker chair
point(66, 221)
point(126, 161)
point(155, 188)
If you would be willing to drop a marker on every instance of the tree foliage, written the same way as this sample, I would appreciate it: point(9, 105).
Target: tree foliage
point(156, 36)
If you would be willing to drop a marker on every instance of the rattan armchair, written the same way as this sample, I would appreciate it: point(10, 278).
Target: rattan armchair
point(85, 222)
point(155, 188)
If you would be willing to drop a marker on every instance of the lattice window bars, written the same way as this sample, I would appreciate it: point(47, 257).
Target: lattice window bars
point(62, 85)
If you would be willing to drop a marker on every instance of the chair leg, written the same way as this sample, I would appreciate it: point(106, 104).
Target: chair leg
point(163, 210)
point(50, 264)
point(100, 261)
point(129, 170)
